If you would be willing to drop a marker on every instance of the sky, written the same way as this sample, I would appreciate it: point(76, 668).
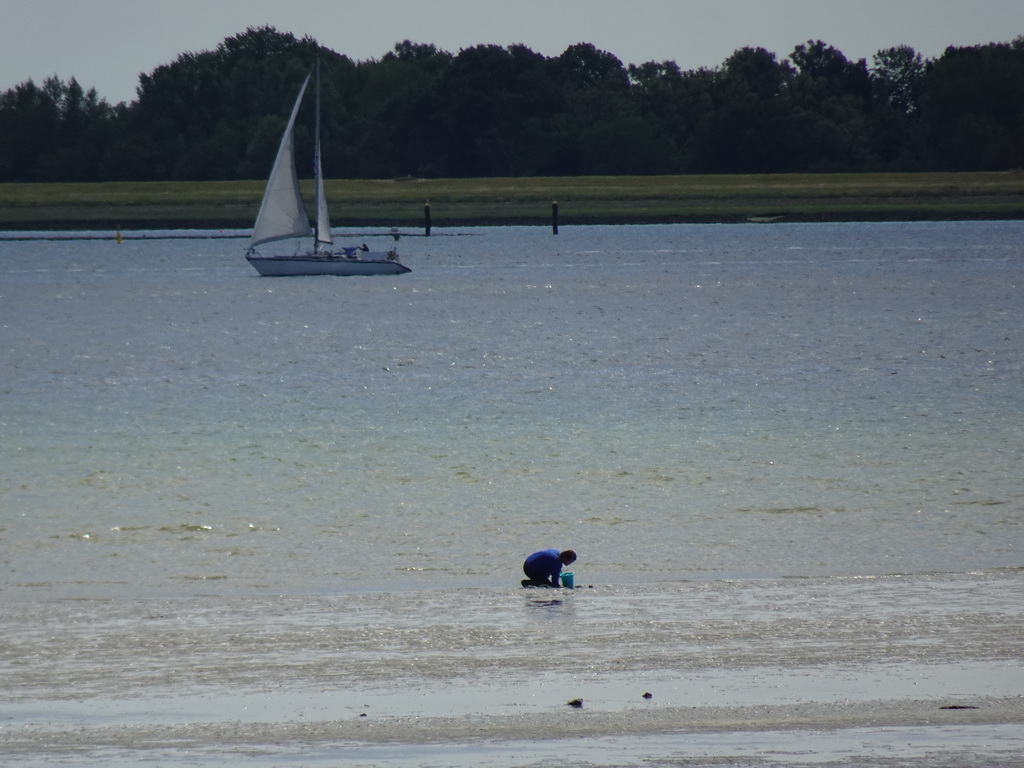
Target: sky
point(106, 44)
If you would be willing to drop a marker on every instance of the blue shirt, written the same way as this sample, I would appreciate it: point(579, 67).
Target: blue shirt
point(546, 564)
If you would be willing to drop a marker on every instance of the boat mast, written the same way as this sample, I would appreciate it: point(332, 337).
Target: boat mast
point(317, 184)
point(322, 233)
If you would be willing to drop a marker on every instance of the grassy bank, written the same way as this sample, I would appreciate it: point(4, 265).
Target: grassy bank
point(461, 202)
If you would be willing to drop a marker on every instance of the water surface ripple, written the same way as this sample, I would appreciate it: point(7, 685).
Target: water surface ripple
point(240, 513)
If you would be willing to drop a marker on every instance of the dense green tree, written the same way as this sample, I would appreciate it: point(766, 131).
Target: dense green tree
point(830, 98)
point(483, 110)
point(592, 112)
point(492, 110)
point(199, 110)
point(898, 76)
point(972, 109)
point(389, 136)
point(750, 129)
point(54, 133)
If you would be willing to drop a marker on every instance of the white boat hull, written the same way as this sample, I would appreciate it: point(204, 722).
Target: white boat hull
point(327, 264)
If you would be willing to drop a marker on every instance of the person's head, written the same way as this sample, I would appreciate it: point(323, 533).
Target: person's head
point(568, 557)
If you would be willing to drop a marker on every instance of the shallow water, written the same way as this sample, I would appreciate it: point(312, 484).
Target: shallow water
point(242, 511)
point(766, 672)
point(672, 402)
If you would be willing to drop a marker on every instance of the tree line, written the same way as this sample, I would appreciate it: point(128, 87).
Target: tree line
point(508, 111)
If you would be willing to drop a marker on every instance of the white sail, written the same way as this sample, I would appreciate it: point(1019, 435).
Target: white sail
point(323, 220)
point(282, 213)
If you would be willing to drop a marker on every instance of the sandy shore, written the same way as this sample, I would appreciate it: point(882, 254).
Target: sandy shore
point(912, 733)
point(910, 670)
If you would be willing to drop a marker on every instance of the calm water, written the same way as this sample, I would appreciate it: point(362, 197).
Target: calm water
point(702, 412)
point(672, 402)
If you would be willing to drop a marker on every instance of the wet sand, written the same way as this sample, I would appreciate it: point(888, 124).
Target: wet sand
point(921, 670)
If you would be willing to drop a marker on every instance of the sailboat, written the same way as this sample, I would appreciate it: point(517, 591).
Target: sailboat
point(283, 216)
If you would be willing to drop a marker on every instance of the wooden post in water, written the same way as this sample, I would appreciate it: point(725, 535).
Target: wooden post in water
point(426, 218)
point(554, 218)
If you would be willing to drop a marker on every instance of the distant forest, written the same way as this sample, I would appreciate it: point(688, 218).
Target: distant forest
point(508, 111)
